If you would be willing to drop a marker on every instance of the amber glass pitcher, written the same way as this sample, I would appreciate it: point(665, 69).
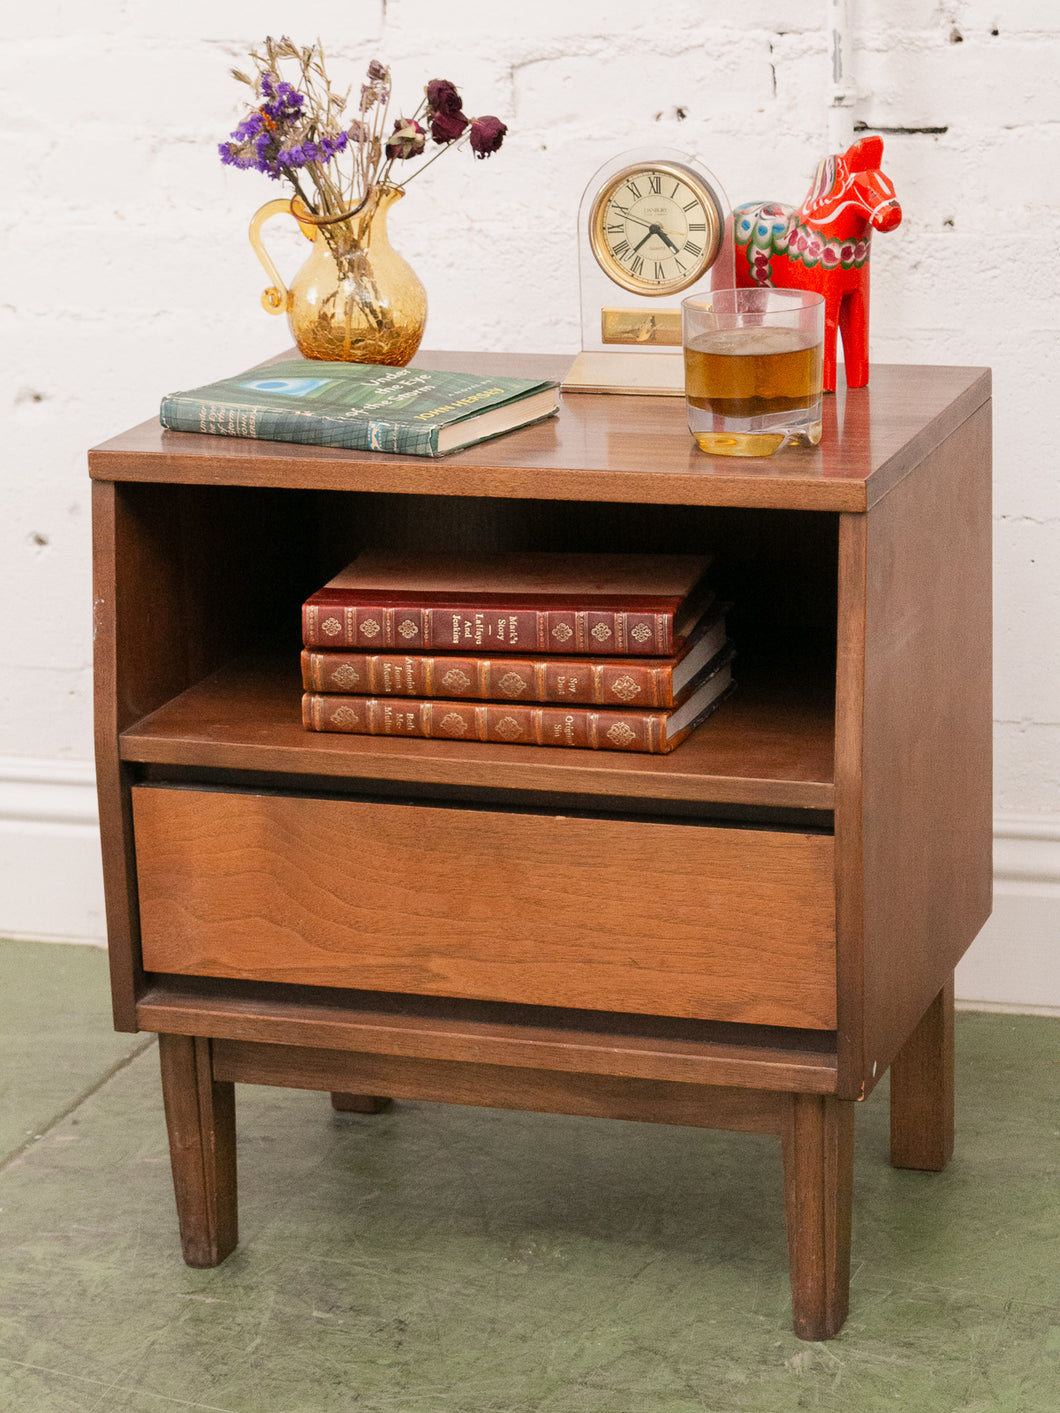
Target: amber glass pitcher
point(355, 300)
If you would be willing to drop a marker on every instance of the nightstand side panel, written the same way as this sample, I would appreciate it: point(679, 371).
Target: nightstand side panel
point(926, 826)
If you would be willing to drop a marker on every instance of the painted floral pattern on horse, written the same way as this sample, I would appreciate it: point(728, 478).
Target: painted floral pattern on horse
point(824, 245)
point(766, 229)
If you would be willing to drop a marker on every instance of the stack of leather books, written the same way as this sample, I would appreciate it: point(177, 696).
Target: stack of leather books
point(621, 652)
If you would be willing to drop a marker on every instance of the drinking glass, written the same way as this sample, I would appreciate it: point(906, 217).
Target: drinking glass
point(754, 363)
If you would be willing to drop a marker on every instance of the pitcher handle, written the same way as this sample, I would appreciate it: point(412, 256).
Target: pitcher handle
point(276, 297)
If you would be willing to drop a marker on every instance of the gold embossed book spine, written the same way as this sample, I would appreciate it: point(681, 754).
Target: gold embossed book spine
point(609, 682)
point(517, 723)
point(455, 626)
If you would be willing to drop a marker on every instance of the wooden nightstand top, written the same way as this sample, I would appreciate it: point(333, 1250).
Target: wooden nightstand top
point(626, 449)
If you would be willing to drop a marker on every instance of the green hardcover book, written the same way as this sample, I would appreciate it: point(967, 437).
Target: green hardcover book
point(361, 406)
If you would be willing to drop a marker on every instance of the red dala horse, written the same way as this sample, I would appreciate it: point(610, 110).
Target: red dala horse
point(824, 246)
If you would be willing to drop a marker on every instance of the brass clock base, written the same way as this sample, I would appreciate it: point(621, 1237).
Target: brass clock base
point(642, 372)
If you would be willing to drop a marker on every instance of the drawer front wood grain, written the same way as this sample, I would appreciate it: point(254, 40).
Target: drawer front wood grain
point(682, 920)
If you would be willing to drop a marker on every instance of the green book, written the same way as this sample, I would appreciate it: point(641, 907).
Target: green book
point(361, 406)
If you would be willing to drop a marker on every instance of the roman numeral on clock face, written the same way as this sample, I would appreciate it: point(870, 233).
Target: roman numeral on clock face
point(651, 229)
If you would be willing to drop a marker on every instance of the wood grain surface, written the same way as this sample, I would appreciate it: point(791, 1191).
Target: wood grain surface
point(551, 1038)
point(770, 743)
point(926, 760)
point(598, 448)
point(610, 914)
point(497, 1086)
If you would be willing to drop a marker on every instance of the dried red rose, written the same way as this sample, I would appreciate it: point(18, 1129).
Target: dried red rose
point(447, 127)
point(442, 97)
point(487, 134)
point(407, 140)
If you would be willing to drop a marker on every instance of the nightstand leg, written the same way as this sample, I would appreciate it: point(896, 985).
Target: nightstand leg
point(359, 1103)
point(201, 1119)
point(922, 1090)
point(818, 1145)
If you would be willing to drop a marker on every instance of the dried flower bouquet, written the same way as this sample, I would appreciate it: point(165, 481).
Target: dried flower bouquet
point(302, 131)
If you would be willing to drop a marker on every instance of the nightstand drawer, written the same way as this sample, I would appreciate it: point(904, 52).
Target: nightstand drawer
point(606, 914)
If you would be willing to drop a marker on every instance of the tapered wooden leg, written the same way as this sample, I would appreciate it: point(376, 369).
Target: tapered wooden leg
point(922, 1090)
point(818, 1144)
point(200, 1116)
point(359, 1103)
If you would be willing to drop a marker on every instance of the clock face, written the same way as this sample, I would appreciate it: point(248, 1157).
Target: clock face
point(655, 228)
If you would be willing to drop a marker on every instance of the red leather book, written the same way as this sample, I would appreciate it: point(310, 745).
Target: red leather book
point(520, 723)
point(607, 681)
point(628, 605)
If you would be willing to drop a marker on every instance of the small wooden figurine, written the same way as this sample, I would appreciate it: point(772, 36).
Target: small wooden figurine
point(824, 246)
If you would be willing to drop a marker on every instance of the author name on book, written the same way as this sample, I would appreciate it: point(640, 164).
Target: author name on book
point(460, 402)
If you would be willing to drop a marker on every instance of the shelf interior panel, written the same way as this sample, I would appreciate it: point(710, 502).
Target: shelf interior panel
point(771, 743)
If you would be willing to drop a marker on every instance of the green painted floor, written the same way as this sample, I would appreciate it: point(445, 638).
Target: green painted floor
point(436, 1259)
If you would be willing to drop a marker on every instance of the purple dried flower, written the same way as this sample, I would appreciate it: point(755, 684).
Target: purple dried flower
point(331, 144)
point(487, 134)
point(378, 71)
point(375, 92)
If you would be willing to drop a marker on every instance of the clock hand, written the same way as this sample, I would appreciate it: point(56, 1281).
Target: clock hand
point(626, 216)
point(653, 229)
point(656, 230)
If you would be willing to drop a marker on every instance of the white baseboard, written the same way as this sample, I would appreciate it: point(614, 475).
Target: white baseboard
point(1014, 963)
point(51, 878)
point(51, 885)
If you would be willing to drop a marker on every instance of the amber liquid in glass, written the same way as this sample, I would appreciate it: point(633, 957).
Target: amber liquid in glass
point(751, 389)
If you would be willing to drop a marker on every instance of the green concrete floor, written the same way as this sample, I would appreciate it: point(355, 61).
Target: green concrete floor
point(437, 1259)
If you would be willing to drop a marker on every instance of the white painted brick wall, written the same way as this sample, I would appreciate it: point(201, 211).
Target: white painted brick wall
point(126, 270)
